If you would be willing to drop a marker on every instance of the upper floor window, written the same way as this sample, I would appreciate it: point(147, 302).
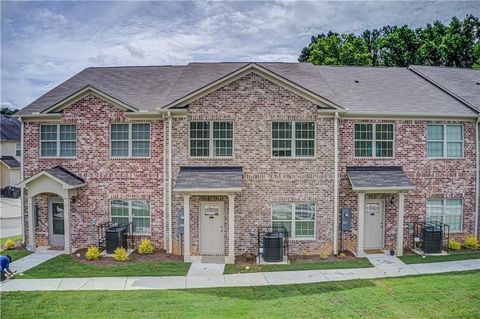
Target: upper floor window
point(211, 138)
point(58, 140)
point(297, 218)
point(446, 210)
point(293, 139)
point(137, 212)
point(130, 140)
point(445, 140)
point(374, 139)
point(18, 149)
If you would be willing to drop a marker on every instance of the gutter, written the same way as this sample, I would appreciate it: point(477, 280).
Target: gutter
point(164, 185)
point(170, 232)
point(22, 189)
point(335, 185)
point(477, 149)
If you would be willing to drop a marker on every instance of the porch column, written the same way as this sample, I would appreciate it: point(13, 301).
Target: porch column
point(31, 224)
point(66, 222)
point(401, 213)
point(361, 227)
point(231, 229)
point(186, 227)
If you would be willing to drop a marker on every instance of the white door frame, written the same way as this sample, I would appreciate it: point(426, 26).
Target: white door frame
point(200, 206)
point(51, 201)
point(382, 204)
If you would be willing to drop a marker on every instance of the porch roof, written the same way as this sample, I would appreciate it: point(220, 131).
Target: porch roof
point(60, 174)
point(378, 179)
point(209, 179)
point(10, 161)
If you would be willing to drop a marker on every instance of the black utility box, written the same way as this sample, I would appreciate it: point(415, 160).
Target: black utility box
point(432, 239)
point(273, 247)
point(116, 237)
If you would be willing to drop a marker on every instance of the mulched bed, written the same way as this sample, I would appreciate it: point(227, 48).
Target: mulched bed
point(249, 259)
point(135, 257)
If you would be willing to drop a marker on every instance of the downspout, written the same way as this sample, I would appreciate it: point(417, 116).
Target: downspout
point(170, 232)
point(22, 190)
point(335, 185)
point(477, 149)
point(164, 184)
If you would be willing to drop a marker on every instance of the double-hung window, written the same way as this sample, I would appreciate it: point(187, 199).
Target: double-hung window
point(58, 140)
point(374, 139)
point(130, 140)
point(445, 140)
point(18, 149)
point(211, 139)
point(297, 218)
point(137, 212)
point(293, 139)
point(446, 210)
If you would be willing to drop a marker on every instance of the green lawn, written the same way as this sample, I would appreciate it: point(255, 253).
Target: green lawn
point(417, 259)
point(15, 253)
point(327, 264)
point(454, 295)
point(65, 266)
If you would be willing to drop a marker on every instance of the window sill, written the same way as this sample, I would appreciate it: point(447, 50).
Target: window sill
point(130, 158)
point(445, 158)
point(58, 157)
point(302, 239)
point(373, 158)
point(211, 157)
point(283, 158)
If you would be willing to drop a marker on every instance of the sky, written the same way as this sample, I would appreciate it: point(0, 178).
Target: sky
point(45, 43)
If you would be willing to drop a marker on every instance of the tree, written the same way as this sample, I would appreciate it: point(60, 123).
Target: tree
point(455, 44)
point(5, 110)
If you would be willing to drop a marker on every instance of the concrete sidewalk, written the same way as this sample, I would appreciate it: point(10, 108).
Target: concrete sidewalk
point(40, 256)
point(385, 266)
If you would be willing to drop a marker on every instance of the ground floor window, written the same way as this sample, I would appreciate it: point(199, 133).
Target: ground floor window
point(297, 218)
point(136, 212)
point(446, 210)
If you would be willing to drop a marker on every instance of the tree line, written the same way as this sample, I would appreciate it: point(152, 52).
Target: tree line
point(454, 44)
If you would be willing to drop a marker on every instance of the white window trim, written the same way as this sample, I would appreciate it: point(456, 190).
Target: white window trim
point(374, 141)
point(130, 141)
point(58, 141)
point(211, 144)
point(443, 207)
point(18, 148)
point(445, 141)
point(292, 235)
point(130, 214)
point(293, 139)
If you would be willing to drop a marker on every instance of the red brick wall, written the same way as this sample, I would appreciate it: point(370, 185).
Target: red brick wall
point(106, 178)
point(431, 177)
point(252, 102)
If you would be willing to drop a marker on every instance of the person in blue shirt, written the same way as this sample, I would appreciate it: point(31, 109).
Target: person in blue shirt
point(5, 264)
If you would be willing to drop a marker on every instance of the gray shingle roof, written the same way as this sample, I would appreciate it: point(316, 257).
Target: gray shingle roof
point(378, 177)
point(209, 177)
point(464, 83)
point(360, 89)
point(10, 161)
point(65, 176)
point(10, 128)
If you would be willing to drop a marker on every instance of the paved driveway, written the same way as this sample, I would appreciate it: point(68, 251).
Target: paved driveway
point(10, 221)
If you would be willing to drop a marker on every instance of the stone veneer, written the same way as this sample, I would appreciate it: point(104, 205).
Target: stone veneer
point(106, 178)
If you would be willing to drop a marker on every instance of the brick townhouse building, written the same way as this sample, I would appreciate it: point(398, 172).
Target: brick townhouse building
point(238, 146)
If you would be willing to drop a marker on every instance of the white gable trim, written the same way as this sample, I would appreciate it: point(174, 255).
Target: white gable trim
point(44, 173)
point(83, 93)
point(259, 70)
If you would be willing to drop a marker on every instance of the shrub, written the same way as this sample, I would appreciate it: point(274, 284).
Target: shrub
point(120, 254)
point(454, 245)
point(9, 244)
point(145, 247)
point(93, 253)
point(471, 242)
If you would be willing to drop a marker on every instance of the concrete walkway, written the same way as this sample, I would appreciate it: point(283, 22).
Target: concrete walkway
point(385, 266)
point(33, 260)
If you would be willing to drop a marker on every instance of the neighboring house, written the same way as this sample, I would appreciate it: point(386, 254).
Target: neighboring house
point(10, 151)
point(238, 146)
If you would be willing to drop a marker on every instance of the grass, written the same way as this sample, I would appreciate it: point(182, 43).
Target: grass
point(461, 255)
point(454, 295)
point(327, 264)
point(15, 253)
point(65, 266)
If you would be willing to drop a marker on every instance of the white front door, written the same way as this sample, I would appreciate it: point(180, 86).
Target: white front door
point(56, 221)
point(374, 220)
point(211, 228)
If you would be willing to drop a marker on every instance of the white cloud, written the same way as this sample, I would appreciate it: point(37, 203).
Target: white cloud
point(45, 43)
